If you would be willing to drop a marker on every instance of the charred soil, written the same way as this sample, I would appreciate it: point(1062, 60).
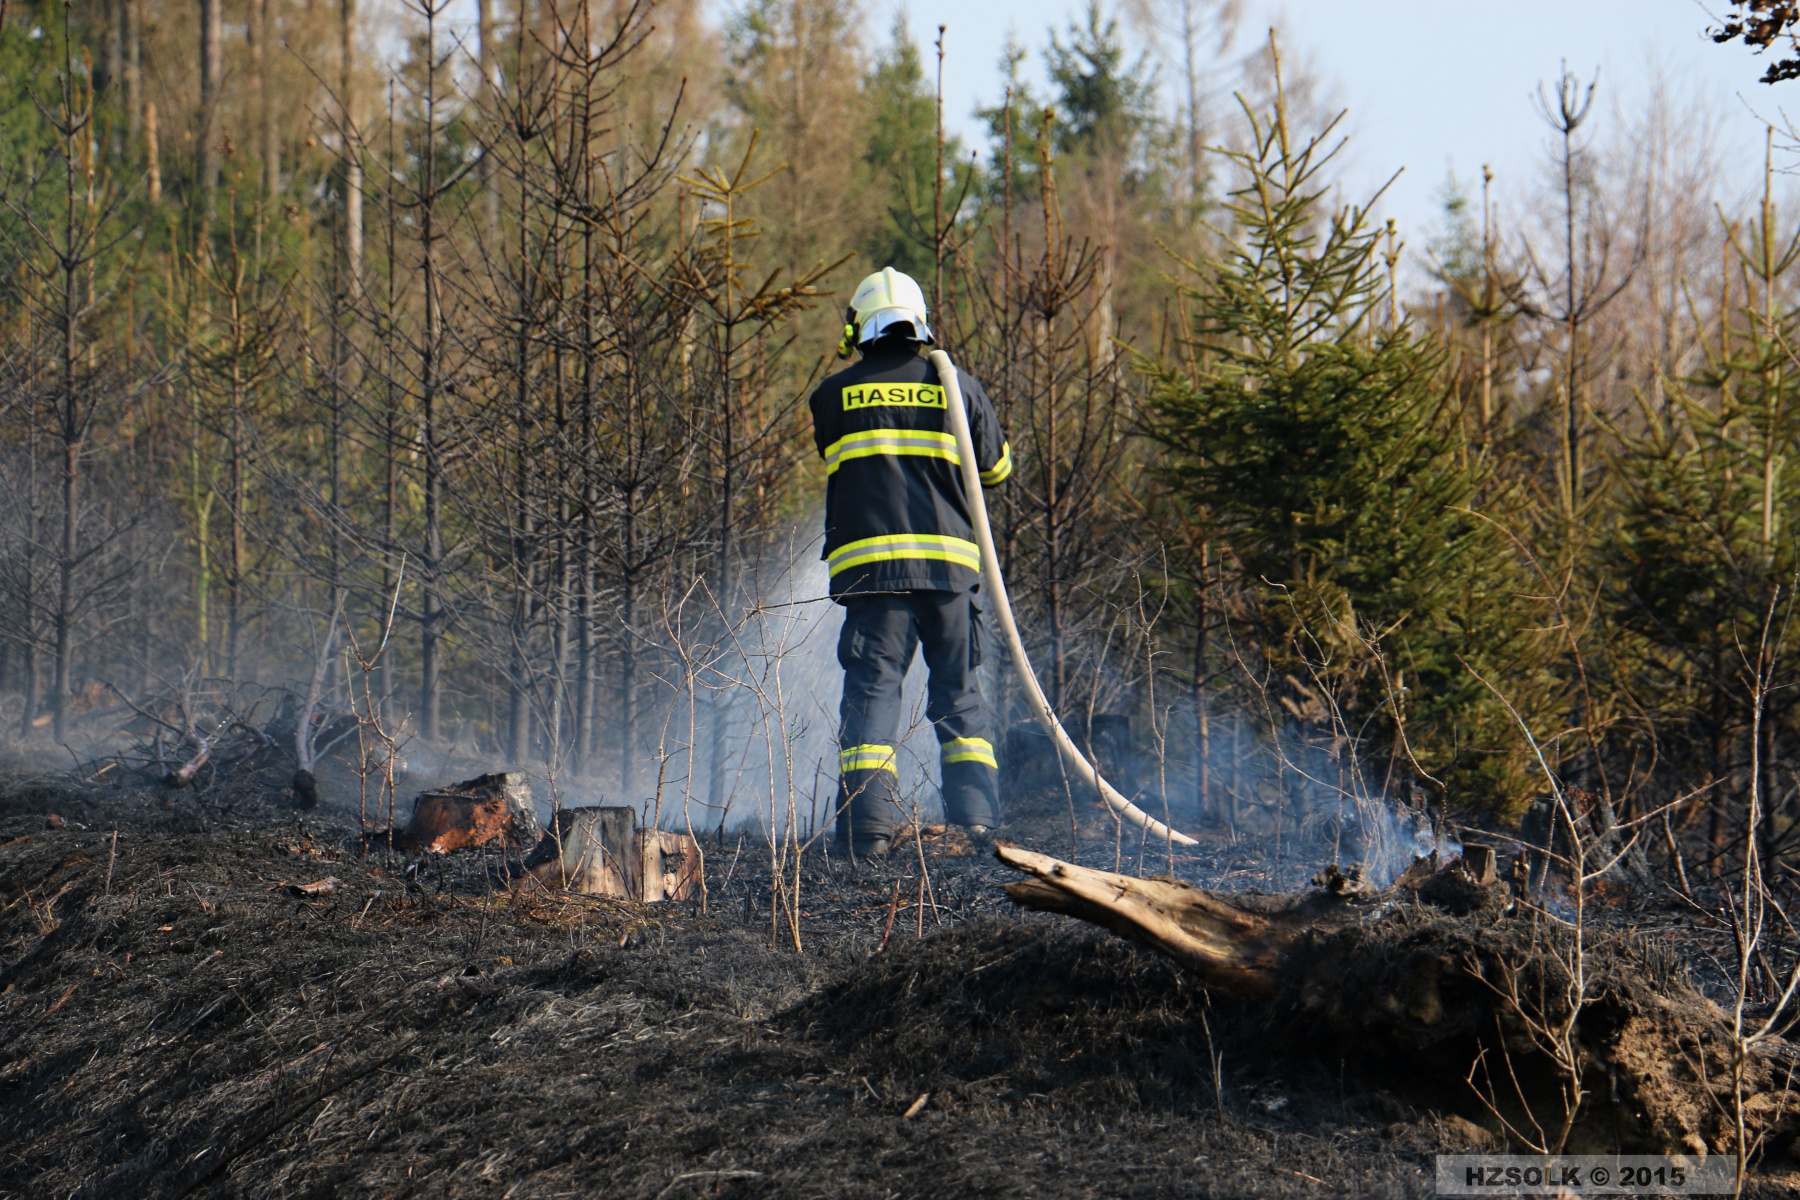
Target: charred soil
point(192, 1010)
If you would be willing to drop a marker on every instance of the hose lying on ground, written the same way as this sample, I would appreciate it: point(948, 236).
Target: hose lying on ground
point(996, 585)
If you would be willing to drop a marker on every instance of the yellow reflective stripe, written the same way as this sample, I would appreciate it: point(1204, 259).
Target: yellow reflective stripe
point(867, 758)
point(920, 442)
point(894, 547)
point(968, 750)
point(1000, 470)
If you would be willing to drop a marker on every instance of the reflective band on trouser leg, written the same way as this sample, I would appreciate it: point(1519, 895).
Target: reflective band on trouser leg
point(896, 546)
point(920, 442)
point(973, 749)
point(867, 758)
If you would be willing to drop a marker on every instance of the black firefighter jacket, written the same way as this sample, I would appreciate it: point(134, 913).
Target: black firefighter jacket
point(896, 517)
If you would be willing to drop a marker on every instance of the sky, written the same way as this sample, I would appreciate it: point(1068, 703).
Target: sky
point(1429, 85)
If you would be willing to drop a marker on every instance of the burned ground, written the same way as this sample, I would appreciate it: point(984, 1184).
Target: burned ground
point(181, 1023)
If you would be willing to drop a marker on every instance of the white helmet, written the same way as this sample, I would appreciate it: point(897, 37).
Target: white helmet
point(884, 299)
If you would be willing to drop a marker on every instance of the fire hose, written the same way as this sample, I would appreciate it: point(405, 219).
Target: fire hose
point(1009, 629)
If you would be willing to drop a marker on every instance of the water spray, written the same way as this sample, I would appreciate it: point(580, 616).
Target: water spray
point(1009, 629)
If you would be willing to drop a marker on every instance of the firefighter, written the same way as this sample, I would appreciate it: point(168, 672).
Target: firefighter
point(903, 561)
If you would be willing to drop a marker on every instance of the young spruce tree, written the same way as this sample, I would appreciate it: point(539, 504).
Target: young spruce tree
point(1307, 421)
point(1702, 560)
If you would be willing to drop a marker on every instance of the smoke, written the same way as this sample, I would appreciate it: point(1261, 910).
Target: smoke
point(1398, 837)
point(1317, 806)
point(781, 743)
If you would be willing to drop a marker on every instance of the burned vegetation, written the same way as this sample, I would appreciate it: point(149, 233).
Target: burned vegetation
point(265, 1003)
point(1589, 1040)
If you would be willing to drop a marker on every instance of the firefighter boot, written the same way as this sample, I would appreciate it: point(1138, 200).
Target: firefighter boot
point(867, 801)
point(971, 783)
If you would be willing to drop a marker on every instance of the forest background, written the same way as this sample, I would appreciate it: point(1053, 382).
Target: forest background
point(452, 374)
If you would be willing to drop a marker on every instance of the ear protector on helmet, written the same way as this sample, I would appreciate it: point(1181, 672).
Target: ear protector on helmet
point(847, 346)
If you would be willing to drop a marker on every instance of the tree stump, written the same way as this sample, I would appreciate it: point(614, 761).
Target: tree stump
point(476, 812)
point(671, 865)
point(600, 851)
point(591, 850)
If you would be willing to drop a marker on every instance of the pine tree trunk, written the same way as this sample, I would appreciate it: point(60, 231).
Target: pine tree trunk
point(432, 609)
point(353, 171)
point(271, 141)
point(518, 696)
point(152, 156)
point(485, 95)
point(133, 17)
point(28, 617)
point(234, 585)
point(721, 706)
point(1202, 709)
point(115, 48)
point(212, 75)
point(72, 426)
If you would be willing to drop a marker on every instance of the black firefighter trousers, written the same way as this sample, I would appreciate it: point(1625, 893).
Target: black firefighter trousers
point(875, 649)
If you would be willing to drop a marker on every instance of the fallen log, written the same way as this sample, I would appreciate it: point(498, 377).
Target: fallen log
point(477, 812)
point(1228, 945)
point(1597, 1039)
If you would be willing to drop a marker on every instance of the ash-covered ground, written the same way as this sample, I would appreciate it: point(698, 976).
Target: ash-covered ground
point(180, 1023)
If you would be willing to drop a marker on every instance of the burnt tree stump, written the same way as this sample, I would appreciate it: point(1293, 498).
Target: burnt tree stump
point(476, 812)
point(671, 865)
point(591, 850)
point(306, 790)
point(600, 851)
